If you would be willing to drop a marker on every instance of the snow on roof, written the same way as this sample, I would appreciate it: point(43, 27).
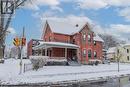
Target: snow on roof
point(65, 26)
point(97, 38)
point(111, 50)
point(127, 44)
point(53, 44)
point(69, 27)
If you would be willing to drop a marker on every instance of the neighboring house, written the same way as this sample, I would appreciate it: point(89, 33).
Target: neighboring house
point(65, 40)
point(125, 53)
point(122, 52)
point(32, 43)
point(14, 53)
point(111, 52)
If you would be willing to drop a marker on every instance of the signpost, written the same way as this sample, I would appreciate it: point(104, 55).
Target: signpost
point(20, 42)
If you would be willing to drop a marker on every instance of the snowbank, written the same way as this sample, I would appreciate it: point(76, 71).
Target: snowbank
point(9, 72)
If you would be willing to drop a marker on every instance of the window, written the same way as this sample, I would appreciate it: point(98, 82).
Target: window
point(89, 53)
point(84, 52)
point(84, 36)
point(94, 42)
point(118, 50)
point(89, 38)
point(127, 50)
point(128, 58)
point(95, 54)
point(73, 41)
point(49, 38)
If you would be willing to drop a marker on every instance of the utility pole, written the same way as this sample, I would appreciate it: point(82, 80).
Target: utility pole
point(118, 59)
point(21, 42)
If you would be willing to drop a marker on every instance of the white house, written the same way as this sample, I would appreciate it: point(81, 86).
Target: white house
point(111, 53)
point(122, 52)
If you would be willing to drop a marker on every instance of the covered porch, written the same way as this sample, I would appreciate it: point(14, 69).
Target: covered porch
point(57, 50)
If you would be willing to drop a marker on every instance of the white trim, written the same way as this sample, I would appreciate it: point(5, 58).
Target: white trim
point(55, 44)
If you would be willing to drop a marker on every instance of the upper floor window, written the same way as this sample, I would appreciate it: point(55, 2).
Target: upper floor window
point(89, 53)
point(94, 42)
point(49, 38)
point(84, 36)
point(89, 38)
point(73, 41)
point(127, 50)
point(84, 52)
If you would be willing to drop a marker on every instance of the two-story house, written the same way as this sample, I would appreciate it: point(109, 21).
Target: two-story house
point(65, 40)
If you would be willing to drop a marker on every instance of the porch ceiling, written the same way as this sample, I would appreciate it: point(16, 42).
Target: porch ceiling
point(44, 45)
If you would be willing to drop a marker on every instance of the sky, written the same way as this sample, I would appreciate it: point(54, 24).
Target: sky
point(106, 16)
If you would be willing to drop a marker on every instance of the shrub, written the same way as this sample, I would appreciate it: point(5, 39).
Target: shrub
point(38, 61)
point(96, 63)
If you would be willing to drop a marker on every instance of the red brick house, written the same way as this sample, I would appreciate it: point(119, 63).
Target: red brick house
point(63, 39)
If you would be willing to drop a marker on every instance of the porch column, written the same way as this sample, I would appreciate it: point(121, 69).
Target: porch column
point(45, 51)
point(66, 53)
point(41, 52)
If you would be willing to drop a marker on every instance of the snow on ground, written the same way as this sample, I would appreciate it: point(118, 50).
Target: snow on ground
point(9, 72)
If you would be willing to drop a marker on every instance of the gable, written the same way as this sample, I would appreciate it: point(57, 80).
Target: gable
point(65, 27)
point(46, 31)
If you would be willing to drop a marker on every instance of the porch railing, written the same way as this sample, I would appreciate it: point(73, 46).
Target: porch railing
point(57, 58)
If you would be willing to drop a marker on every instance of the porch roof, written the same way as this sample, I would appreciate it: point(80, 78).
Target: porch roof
point(44, 45)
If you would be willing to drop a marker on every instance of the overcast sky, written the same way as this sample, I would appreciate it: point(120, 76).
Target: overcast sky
point(107, 16)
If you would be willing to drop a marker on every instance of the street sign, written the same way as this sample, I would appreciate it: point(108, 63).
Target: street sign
point(16, 41)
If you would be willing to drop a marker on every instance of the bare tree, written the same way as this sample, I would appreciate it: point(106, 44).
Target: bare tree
point(5, 20)
point(118, 56)
point(110, 41)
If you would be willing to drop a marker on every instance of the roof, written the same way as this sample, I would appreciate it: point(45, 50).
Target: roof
point(55, 44)
point(97, 38)
point(127, 44)
point(111, 50)
point(68, 27)
point(65, 27)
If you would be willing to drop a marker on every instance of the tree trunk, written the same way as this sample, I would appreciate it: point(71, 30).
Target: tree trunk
point(2, 47)
point(1, 53)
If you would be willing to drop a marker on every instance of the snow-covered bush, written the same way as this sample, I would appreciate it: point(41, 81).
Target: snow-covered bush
point(38, 61)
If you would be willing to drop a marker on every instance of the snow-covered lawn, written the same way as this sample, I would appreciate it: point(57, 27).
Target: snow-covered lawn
point(9, 72)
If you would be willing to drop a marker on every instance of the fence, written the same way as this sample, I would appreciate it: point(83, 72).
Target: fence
point(28, 67)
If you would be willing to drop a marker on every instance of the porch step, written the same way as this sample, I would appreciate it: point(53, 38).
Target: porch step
point(73, 63)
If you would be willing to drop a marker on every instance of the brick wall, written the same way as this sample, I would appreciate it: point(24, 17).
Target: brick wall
point(29, 48)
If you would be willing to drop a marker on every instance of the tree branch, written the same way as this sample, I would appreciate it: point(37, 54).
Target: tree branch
point(10, 16)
